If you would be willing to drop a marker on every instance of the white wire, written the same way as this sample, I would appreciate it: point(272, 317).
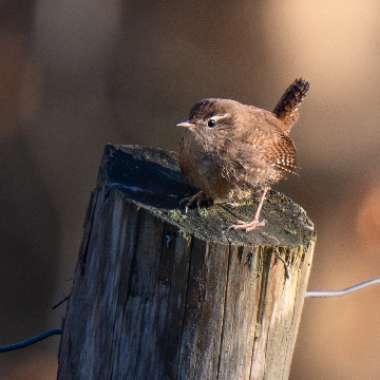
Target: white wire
point(343, 292)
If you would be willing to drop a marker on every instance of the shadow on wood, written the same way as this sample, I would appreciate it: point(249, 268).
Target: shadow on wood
point(160, 294)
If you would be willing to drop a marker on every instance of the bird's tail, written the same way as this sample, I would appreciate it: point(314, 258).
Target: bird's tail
point(287, 107)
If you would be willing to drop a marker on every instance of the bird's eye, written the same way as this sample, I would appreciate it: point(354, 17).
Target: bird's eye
point(211, 122)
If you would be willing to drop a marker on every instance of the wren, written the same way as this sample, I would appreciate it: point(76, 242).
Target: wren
point(229, 150)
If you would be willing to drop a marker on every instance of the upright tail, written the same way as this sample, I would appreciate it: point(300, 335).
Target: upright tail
point(287, 107)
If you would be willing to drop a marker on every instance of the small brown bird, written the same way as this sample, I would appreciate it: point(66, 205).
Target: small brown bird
point(230, 149)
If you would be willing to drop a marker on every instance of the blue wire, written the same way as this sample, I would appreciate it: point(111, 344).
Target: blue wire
point(29, 342)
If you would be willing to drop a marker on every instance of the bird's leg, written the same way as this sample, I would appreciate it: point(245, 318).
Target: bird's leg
point(241, 225)
point(198, 198)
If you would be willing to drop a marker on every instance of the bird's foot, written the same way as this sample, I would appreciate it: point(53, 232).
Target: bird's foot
point(197, 198)
point(241, 225)
point(233, 204)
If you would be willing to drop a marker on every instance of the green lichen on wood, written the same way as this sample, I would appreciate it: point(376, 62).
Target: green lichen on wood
point(176, 215)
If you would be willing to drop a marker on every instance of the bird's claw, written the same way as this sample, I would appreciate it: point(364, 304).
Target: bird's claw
point(241, 225)
point(188, 201)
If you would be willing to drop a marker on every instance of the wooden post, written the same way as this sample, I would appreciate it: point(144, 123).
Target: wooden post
point(162, 295)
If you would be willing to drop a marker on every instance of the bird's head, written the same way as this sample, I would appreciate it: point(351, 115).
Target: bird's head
point(211, 114)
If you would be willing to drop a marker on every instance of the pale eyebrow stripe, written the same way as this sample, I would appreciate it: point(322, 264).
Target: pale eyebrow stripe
point(221, 117)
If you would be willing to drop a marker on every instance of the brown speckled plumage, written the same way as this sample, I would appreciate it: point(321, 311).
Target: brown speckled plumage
point(246, 149)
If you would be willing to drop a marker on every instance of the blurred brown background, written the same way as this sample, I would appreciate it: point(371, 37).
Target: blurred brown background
point(77, 74)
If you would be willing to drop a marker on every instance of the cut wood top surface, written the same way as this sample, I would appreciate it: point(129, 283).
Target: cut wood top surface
point(150, 177)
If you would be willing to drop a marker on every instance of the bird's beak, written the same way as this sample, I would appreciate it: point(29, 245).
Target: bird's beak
point(185, 124)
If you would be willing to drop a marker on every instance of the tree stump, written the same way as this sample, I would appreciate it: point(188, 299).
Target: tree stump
point(160, 294)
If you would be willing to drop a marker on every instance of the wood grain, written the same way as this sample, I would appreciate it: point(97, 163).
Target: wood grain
point(159, 294)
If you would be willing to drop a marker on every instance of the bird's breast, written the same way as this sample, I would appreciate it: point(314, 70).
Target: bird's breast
point(202, 166)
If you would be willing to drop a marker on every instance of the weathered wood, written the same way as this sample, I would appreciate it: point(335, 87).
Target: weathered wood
point(159, 294)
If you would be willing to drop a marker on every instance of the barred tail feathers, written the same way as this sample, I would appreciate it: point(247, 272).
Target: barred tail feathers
point(287, 108)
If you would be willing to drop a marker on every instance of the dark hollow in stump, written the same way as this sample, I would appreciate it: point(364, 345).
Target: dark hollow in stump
point(160, 294)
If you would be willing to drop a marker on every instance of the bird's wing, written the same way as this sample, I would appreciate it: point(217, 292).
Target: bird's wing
point(281, 154)
point(276, 147)
point(256, 152)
